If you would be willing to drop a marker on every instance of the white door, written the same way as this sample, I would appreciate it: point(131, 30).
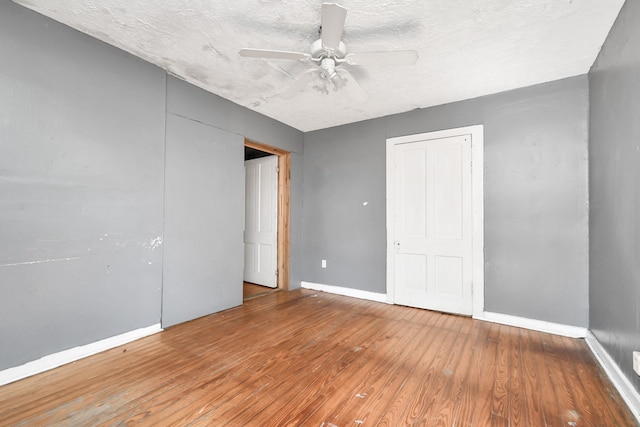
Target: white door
point(261, 221)
point(433, 224)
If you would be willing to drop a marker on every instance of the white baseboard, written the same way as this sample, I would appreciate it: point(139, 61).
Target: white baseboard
point(619, 380)
point(348, 292)
point(536, 325)
point(71, 355)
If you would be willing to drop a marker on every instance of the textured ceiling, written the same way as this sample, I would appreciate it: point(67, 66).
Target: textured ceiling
point(467, 48)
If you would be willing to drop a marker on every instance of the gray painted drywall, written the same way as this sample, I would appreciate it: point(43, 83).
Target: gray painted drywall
point(82, 137)
point(535, 193)
point(204, 220)
point(81, 172)
point(344, 168)
point(186, 100)
point(614, 191)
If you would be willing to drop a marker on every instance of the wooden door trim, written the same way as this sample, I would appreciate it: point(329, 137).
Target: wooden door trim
point(284, 203)
point(477, 208)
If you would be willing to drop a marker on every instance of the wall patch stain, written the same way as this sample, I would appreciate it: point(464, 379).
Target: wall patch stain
point(39, 261)
point(153, 244)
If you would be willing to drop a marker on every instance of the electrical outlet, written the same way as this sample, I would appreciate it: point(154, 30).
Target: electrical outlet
point(636, 362)
point(324, 263)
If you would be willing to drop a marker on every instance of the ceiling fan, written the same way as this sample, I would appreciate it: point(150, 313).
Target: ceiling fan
point(329, 53)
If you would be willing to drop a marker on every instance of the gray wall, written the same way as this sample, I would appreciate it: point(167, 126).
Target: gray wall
point(204, 211)
point(344, 167)
point(536, 214)
point(614, 190)
point(204, 206)
point(82, 171)
point(187, 101)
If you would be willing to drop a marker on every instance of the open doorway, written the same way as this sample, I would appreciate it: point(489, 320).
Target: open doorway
point(266, 236)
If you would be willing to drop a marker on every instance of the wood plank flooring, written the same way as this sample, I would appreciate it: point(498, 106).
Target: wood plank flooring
point(251, 291)
point(306, 358)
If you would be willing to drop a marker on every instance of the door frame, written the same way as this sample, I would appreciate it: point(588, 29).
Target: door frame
point(477, 207)
point(284, 197)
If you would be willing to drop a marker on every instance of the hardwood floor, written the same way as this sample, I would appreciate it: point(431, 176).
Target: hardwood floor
point(306, 358)
point(251, 291)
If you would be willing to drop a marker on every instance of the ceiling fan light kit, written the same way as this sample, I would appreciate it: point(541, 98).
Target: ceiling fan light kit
point(329, 52)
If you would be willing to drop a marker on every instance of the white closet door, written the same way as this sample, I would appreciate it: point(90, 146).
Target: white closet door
point(433, 224)
point(261, 217)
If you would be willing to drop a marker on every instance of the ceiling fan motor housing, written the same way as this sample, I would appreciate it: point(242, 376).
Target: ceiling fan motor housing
point(319, 51)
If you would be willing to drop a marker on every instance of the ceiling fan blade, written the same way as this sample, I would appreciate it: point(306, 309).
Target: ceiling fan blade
point(351, 86)
point(299, 84)
point(333, 16)
point(392, 57)
point(274, 54)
